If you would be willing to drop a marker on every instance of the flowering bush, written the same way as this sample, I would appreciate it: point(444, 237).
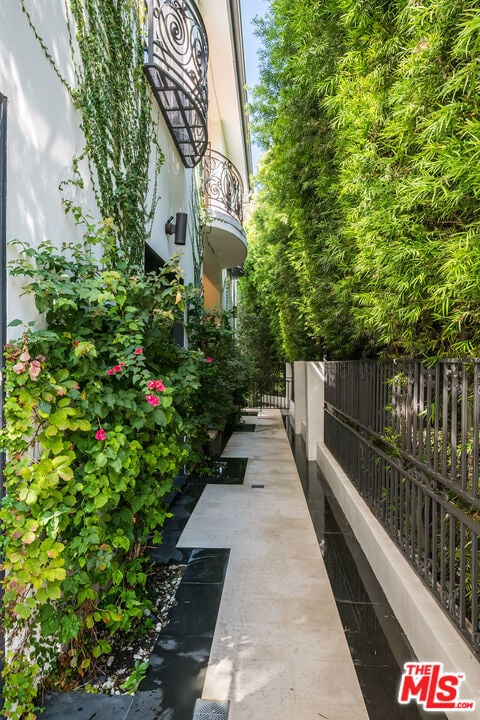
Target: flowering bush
point(217, 401)
point(103, 408)
point(94, 440)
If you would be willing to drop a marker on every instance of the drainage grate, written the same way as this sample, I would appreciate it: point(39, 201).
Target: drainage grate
point(211, 710)
point(257, 487)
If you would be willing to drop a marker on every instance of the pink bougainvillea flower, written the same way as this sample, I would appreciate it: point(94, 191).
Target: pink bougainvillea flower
point(152, 399)
point(156, 385)
point(25, 356)
point(116, 369)
point(34, 369)
point(19, 368)
point(138, 351)
point(209, 359)
point(100, 434)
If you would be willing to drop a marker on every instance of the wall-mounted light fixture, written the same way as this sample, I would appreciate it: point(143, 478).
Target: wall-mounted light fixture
point(179, 229)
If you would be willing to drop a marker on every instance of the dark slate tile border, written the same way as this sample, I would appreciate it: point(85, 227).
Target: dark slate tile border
point(228, 471)
point(81, 706)
point(178, 664)
point(179, 661)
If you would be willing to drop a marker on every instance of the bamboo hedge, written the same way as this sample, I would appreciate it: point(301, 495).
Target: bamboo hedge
point(366, 235)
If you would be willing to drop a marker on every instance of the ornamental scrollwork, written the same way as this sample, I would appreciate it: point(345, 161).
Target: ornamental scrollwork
point(223, 185)
point(176, 67)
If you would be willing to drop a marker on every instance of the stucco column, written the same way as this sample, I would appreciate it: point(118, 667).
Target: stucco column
point(315, 387)
point(300, 403)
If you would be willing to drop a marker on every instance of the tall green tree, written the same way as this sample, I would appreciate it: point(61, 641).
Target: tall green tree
point(368, 114)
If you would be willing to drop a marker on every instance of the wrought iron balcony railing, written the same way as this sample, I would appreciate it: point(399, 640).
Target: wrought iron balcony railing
point(223, 185)
point(176, 68)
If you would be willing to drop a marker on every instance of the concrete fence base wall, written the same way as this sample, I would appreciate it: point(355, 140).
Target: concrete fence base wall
point(429, 631)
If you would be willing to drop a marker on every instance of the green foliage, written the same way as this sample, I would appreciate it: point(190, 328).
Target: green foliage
point(220, 396)
point(102, 409)
point(367, 112)
point(270, 295)
point(111, 94)
point(94, 440)
point(135, 678)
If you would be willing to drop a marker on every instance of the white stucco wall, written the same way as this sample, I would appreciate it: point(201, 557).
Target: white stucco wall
point(43, 137)
point(175, 188)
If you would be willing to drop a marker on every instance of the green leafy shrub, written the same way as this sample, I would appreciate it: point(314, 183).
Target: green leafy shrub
point(94, 439)
point(223, 378)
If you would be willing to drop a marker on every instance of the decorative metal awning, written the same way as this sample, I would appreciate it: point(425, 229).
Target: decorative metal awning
point(223, 185)
point(176, 68)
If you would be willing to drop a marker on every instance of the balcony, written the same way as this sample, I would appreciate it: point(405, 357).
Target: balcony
point(176, 68)
point(223, 191)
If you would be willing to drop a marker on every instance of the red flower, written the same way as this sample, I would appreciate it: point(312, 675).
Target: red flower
point(116, 369)
point(100, 434)
point(156, 385)
point(138, 351)
point(209, 359)
point(152, 399)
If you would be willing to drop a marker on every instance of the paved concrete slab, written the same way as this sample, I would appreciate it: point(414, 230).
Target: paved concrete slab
point(279, 650)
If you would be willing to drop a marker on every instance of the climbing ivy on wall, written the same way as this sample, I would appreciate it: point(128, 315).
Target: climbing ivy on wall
point(111, 93)
point(197, 212)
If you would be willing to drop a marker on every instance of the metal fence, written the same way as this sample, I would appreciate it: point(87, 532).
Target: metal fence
point(407, 435)
point(273, 390)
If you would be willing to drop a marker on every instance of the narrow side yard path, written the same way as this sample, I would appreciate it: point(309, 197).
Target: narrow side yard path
point(279, 650)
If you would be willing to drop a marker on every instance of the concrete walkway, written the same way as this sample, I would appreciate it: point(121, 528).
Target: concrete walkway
point(279, 651)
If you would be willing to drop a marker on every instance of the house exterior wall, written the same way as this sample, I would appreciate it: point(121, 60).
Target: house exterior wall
point(45, 135)
point(227, 120)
